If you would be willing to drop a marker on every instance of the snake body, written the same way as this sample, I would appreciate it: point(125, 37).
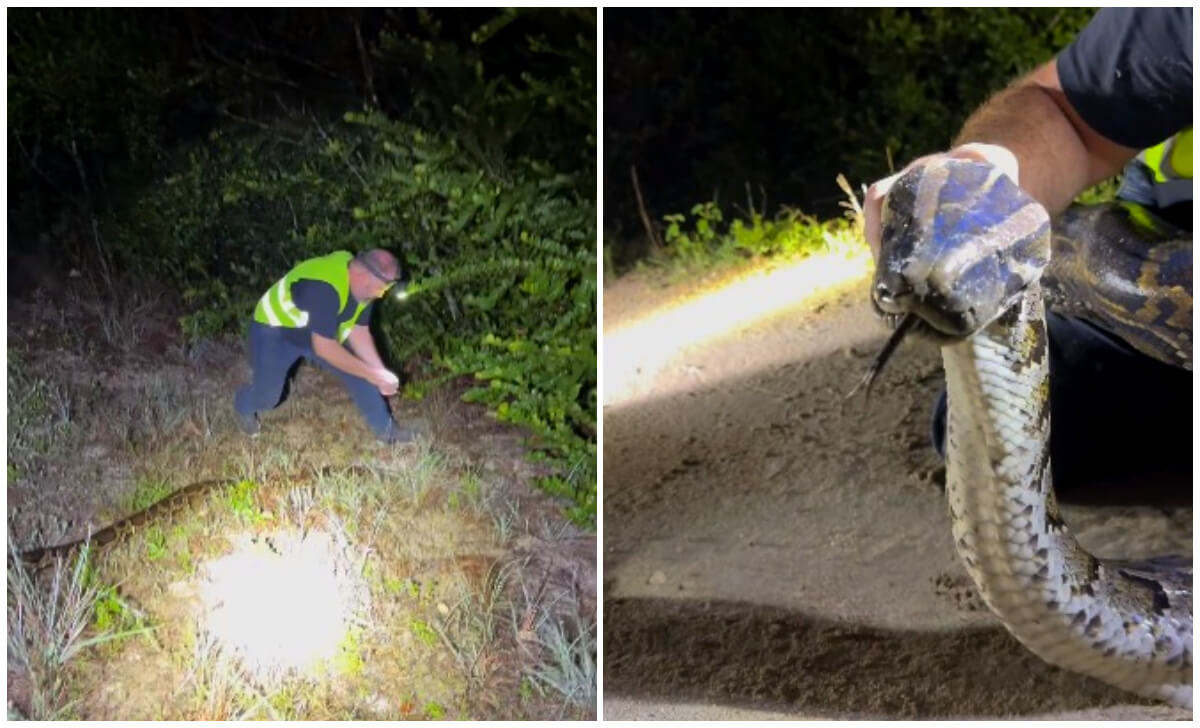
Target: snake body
point(185, 500)
point(1131, 277)
point(971, 258)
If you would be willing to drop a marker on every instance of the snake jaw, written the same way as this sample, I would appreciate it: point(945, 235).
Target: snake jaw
point(922, 328)
point(902, 322)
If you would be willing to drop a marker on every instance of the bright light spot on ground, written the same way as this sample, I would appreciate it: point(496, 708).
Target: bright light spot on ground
point(634, 353)
point(281, 612)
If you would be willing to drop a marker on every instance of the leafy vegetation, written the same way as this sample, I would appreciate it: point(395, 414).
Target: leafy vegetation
point(791, 233)
point(704, 239)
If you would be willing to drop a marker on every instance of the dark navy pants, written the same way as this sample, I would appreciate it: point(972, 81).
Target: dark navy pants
point(272, 357)
point(1115, 413)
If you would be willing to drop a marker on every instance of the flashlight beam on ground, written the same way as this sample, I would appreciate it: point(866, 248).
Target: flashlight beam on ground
point(636, 352)
point(281, 612)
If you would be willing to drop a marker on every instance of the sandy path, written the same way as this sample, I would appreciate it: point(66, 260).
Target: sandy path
point(767, 554)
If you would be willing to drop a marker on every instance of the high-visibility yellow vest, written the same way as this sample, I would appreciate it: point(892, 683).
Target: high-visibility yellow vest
point(276, 308)
point(1171, 165)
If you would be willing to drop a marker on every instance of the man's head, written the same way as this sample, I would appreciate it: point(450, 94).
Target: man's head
point(372, 273)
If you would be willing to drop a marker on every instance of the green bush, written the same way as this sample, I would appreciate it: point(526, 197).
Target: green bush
point(549, 114)
point(705, 240)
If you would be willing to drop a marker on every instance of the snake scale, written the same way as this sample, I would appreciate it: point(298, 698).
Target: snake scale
point(184, 500)
point(971, 262)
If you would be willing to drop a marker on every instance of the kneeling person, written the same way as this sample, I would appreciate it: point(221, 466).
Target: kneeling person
point(321, 311)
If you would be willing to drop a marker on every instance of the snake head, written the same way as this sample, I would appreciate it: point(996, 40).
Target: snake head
point(960, 242)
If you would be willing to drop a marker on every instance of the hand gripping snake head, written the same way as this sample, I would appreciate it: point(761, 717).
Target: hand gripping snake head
point(960, 242)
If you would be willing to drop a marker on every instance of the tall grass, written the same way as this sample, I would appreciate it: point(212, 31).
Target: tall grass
point(46, 629)
point(570, 664)
point(562, 643)
point(468, 628)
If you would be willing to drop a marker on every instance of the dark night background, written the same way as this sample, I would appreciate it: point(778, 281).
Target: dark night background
point(705, 101)
point(101, 100)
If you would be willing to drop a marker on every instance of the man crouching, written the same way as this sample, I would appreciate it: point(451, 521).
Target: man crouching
point(321, 311)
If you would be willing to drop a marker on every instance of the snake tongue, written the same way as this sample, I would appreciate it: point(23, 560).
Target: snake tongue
point(868, 379)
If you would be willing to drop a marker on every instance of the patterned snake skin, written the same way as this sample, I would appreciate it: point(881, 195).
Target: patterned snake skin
point(969, 261)
point(184, 500)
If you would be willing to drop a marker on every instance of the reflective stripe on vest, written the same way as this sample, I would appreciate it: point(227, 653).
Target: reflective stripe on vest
point(276, 307)
point(1171, 166)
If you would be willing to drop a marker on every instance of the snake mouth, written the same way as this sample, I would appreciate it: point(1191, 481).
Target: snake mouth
point(927, 326)
point(902, 323)
point(925, 316)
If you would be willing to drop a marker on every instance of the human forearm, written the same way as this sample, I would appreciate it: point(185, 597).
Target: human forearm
point(1057, 154)
point(363, 345)
point(338, 356)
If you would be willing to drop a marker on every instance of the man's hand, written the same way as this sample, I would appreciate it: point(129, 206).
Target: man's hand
point(387, 381)
point(993, 154)
point(363, 345)
point(340, 357)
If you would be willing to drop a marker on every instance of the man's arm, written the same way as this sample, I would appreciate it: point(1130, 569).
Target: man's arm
point(320, 300)
point(363, 345)
point(337, 355)
point(1056, 154)
point(1031, 133)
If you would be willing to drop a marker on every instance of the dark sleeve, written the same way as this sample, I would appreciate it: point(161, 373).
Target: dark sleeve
point(1129, 74)
point(320, 301)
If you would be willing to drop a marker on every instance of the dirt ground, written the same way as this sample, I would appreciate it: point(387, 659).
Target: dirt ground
point(159, 411)
point(773, 550)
